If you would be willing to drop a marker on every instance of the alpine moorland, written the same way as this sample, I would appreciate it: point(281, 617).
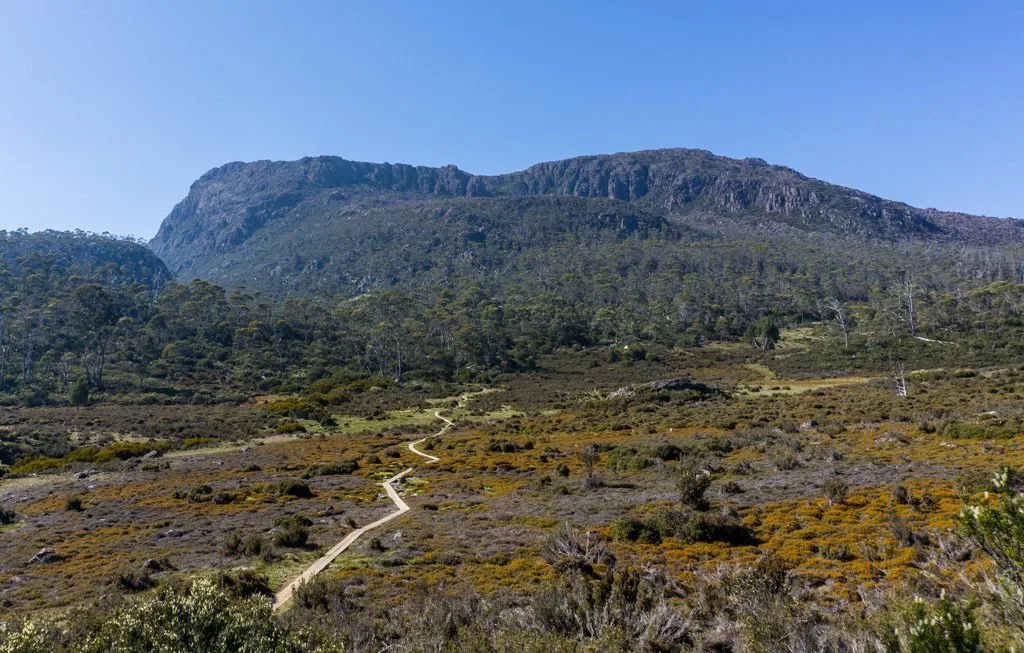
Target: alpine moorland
point(651, 401)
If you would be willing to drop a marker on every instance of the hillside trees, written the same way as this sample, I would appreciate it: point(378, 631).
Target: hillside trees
point(59, 322)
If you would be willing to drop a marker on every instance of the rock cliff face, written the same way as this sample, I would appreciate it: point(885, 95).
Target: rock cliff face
point(228, 205)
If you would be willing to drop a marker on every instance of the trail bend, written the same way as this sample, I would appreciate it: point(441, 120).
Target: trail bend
point(287, 592)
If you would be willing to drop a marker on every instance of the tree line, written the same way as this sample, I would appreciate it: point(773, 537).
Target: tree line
point(121, 327)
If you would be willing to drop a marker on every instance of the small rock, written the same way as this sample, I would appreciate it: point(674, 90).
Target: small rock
point(153, 454)
point(398, 535)
point(809, 424)
point(84, 474)
point(44, 555)
point(157, 565)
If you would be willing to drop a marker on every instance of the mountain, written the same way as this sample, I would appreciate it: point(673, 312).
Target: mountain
point(326, 222)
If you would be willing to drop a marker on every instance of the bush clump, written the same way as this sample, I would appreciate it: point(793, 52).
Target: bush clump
point(692, 481)
point(250, 546)
point(835, 490)
point(246, 583)
point(7, 515)
point(294, 488)
point(292, 531)
point(342, 468)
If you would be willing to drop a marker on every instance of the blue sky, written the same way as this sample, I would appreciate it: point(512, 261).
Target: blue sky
point(109, 110)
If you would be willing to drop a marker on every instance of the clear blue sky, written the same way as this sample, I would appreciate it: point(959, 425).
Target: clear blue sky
point(109, 110)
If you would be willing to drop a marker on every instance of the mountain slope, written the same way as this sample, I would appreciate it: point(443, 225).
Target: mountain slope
point(68, 254)
point(236, 220)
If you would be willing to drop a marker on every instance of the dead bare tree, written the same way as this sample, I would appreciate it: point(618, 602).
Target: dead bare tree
point(907, 288)
point(841, 318)
point(899, 373)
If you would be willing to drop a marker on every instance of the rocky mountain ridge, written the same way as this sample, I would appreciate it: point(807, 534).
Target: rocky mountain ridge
point(229, 204)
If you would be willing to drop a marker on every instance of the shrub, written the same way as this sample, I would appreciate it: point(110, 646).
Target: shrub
point(223, 498)
point(79, 395)
point(293, 531)
point(198, 494)
point(290, 427)
point(501, 446)
point(785, 460)
point(568, 549)
point(693, 526)
point(190, 443)
point(901, 495)
point(200, 618)
point(732, 487)
point(37, 465)
point(7, 515)
point(635, 530)
point(127, 450)
point(946, 627)
point(135, 581)
point(901, 530)
point(997, 528)
point(835, 490)
point(562, 470)
point(251, 545)
point(627, 458)
point(299, 408)
point(294, 488)
point(246, 583)
point(692, 482)
point(593, 482)
point(788, 426)
point(343, 468)
point(73, 504)
point(589, 456)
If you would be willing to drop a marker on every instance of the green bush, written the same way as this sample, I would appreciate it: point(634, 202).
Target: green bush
point(127, 450)
point(250, 546)
point(246, 583)
point(997, 528)
point(694, 526)
point(342, 468)
point(635, 530)
point(294, 488)
point(946, 627)
point(692, 482)
point(79, 395)
point(199, 619)
point(37, 465)
point(299, 408)
point(292, 531)
point(835, 490)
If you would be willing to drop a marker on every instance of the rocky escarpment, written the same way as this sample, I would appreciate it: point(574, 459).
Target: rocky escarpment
point(228, 205)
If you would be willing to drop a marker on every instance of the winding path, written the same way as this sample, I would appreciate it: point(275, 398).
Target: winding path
point(285, 595)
